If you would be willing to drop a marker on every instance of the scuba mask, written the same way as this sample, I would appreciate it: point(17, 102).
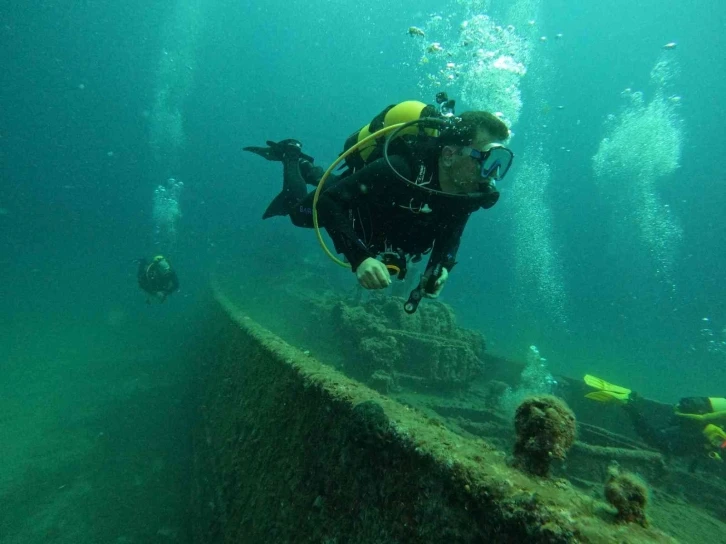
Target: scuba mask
point(494, 162)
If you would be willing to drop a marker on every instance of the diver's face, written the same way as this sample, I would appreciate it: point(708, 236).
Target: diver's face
point(464, 171)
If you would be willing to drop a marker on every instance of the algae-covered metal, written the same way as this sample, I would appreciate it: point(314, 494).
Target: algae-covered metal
point(290, 450)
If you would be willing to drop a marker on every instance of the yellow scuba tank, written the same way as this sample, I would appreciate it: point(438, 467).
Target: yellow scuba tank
point(410, 110)
point(715, 435)
point(716, 438)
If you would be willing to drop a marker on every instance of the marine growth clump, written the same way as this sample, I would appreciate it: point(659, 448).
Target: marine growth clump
point(628, 493)
point(545, 428)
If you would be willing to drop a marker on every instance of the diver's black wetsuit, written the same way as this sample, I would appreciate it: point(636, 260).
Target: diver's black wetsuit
point(153, 279)
point(370, 210)
point(672, 437)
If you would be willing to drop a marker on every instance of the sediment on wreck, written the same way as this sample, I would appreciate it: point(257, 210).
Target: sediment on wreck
point(290, 450)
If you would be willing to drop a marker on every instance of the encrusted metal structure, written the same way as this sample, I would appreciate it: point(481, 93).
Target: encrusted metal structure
point(288, 449)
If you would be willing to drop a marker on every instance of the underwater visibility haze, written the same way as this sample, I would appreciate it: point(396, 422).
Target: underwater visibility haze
point(121, 137)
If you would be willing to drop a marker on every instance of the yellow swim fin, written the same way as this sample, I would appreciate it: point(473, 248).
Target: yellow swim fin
point(604, 396)
point(607, 392)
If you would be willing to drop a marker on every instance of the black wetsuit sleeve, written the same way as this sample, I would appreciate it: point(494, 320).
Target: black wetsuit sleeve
point(141, 275)
point(666, 439)
point(446, 245)
point(335, 204)
point(173, 282)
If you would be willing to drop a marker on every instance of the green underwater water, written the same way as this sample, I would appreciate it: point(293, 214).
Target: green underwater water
point(608, 270)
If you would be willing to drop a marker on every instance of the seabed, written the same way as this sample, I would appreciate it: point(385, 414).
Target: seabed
point(379, 427)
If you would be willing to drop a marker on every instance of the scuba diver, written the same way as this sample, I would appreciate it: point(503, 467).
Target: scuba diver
point(157, 277)
point(696, 427)
point(401, 196)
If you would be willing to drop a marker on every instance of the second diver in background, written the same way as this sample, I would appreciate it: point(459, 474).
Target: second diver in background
point(695, 430)
point(157, 278)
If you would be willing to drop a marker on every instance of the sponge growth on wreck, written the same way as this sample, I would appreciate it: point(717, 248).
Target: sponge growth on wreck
point(628, 493)
point(545, 429)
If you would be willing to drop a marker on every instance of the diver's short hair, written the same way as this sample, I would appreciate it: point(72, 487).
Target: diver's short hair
point(464, 132)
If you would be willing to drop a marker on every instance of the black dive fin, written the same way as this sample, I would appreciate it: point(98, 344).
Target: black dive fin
point(279, 206)
point(264, 152)
point(277, 151)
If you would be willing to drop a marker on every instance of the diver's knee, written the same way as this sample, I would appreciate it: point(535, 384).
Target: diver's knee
point(310, 173)
point(302, 216)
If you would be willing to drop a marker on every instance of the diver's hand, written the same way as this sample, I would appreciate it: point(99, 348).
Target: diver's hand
point(439, 285)
point(373, 274)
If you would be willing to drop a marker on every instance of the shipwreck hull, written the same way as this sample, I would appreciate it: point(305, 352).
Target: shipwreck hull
point(288, 449)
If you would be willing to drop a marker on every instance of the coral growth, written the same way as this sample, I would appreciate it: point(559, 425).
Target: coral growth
point(428, 349)
point(628, 493)
point(545, 428)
